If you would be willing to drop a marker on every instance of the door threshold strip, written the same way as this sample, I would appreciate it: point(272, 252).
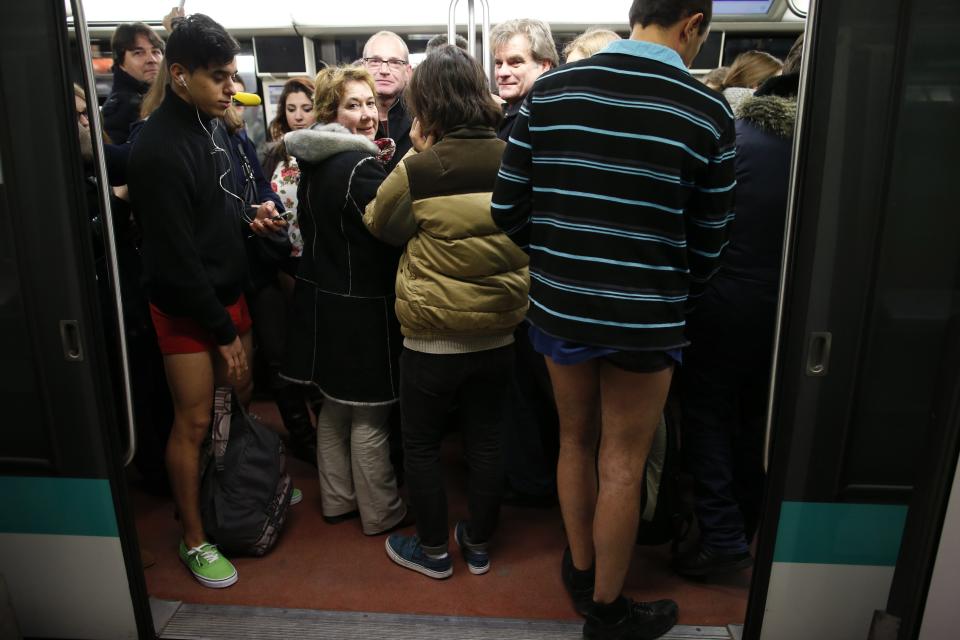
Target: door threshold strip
point(194, 621)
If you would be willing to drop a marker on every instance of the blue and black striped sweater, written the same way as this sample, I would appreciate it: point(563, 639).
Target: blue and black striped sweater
point(618, 179)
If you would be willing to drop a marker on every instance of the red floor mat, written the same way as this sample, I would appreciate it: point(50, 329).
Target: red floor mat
point(336, 567)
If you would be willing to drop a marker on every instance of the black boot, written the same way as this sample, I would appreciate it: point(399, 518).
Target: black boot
point(302, 443)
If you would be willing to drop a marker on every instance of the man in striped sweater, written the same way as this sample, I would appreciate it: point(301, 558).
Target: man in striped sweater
point(618, 178)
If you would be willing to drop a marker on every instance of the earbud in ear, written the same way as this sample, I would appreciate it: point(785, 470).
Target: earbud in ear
point(182, 81)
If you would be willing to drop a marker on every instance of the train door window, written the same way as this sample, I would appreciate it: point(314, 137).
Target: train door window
point(709, 56)
point(737, 43)
point(914, 311)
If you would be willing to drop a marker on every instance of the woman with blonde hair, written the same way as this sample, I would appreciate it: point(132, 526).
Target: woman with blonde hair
point(588, 43)
point(344, 337)
point(748, 71)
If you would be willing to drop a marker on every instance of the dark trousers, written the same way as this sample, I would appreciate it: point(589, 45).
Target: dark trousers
point(530, 426)
point(269, 311)
point(724, 381)
point(471, 386)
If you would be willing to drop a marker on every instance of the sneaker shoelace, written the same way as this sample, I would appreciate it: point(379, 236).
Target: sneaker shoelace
point(207, 552)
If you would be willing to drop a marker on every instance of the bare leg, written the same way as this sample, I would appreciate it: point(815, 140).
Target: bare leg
point(191, 377)
point(577, 391)
point(631, 407)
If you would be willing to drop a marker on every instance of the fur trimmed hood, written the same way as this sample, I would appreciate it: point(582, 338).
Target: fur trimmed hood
point(322, 141)
point(774, 114)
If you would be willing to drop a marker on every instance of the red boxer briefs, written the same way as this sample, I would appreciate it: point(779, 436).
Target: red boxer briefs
point(185, 335)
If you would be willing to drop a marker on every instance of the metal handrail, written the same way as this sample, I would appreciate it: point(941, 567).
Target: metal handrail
point(472, 30)
point(83, 42)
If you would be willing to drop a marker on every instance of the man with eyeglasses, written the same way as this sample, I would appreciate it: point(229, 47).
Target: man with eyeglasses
point(387, 58)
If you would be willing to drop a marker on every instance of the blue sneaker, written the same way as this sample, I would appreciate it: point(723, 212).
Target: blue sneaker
point(407, 552)
point(478, 561)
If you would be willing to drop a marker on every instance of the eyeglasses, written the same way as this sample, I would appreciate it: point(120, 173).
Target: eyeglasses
point(377, 63)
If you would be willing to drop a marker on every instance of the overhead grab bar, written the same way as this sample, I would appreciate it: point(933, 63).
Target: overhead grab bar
point(472, 31)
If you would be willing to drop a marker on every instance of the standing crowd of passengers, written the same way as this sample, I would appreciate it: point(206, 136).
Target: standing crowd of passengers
point(530, 267)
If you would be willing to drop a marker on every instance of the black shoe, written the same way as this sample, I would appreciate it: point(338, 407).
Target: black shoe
point(343, 517)
point(581, 595)
point(515, 498)
point(641, 621)
point(702, 562)
point(302, 443)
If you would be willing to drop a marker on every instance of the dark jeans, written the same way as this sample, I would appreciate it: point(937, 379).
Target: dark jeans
point(725, 378)
point(269, 310)
point(530, 425)
point(473, 386)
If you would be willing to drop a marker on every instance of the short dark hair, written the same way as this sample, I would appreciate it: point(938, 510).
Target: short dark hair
point(198, 41)
point(666, 13)
point(449, 90)
point(440, 40)
point(125, 39)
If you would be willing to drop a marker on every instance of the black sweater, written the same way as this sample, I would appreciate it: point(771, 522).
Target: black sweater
point(122, 107)
point(193, 253)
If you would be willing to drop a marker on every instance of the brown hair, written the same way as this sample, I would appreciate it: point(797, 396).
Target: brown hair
point(590, 42)
point(279, 126)
point(750, 69)
point(155, 95)
point(714, 79)
point(791, 64)
point(330, 85)
point(125, 39)
point(449, 90)
point(537, 32)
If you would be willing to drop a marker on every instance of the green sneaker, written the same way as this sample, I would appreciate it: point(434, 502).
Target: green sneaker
point(296, 496)
point(207, 565)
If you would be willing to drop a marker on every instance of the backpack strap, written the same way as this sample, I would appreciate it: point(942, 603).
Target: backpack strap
point(220, 432)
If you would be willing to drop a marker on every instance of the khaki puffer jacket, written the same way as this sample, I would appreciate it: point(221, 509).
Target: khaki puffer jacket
point(459, 275)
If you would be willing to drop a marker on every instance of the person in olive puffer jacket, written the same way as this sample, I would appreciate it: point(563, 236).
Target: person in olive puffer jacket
point(461, 289)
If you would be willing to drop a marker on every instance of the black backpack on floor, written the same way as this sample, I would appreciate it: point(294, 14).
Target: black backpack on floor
point(244, 487)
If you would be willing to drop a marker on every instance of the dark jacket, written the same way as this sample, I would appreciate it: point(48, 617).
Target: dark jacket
point(764, 144)
point(734, 321)
point(510, 112)
point(398, 128)
point(344, 337)
point(122, 107)
point(194, 259)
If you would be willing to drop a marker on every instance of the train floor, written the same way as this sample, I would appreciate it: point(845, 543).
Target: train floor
point(335, 568)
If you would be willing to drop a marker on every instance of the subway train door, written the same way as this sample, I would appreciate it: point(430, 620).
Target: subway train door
point(864, 410)
point(66, 542)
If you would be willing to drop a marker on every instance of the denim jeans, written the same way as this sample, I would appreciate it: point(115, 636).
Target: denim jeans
point(725, 379)
point(473, 386)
